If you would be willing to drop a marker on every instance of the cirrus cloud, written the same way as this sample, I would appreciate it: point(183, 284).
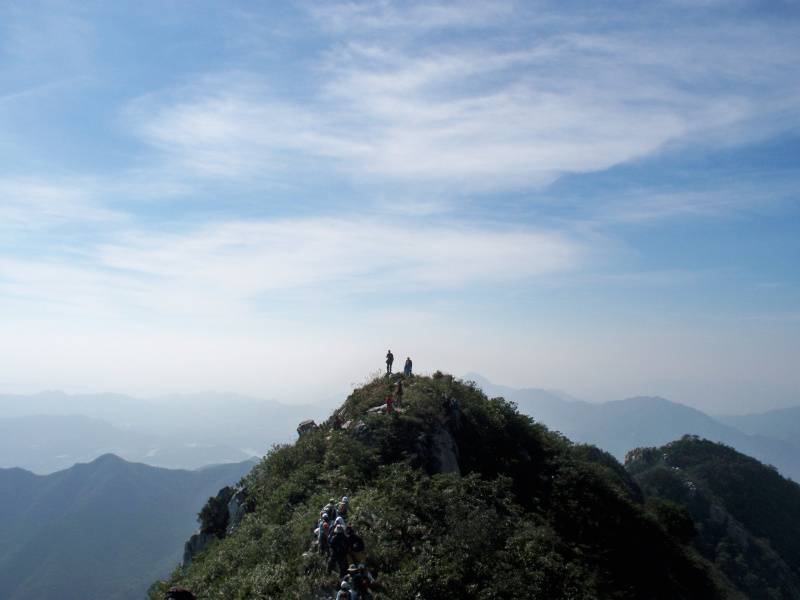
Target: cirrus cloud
point(511, 108)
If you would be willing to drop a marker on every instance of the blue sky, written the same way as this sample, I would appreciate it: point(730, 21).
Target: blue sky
point(596, 197)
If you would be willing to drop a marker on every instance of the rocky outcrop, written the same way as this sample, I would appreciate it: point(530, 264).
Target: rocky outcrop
point(443, 452)
point(306, 427)
point(236, 507)
point(195, 545)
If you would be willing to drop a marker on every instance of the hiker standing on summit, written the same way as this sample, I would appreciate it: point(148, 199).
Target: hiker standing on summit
point(407, 367)
point(389, 361)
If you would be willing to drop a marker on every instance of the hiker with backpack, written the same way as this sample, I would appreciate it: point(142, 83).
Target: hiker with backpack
point(407, 367)
point(358, 587)
point(338, 546)
point(323, 531)
point(344, 592)
point(330, 510)
point(360, 580)
point(341, 509)
point(389, 361)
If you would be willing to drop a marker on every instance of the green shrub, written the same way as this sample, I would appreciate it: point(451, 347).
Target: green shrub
point(213, 517)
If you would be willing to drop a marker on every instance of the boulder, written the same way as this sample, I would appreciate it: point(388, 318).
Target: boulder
point(305, 427)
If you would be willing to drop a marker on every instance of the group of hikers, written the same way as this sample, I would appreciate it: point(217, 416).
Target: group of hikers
point(395, 399)
point(336, 539)
point(390, 362)
point(344, 548)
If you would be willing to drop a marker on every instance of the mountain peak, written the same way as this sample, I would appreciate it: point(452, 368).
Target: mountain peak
point(108, 457)
point(440, 488)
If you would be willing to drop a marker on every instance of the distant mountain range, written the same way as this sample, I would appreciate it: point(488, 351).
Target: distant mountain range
point(619, 426)
point(48, 443)
point(783, 424)
point(99, 530)
point(50, 431)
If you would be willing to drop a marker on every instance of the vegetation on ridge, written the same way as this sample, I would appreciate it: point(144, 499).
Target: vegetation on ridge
point(529, 516)
point(744, 516)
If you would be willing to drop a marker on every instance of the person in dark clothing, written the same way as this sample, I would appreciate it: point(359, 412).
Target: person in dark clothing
point(355, 546)
point(360, 581)
point(339, 546)
point(398, 394)
point(389, 361)
point(407, 367)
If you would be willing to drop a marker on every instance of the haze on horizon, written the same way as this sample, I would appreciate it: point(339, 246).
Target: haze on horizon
point(596, 198)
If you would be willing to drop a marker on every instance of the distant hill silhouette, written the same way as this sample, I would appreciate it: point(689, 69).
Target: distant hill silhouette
point(783, 423)
point(53, 430)
point(619, 426)
point(48, 443)
point(100, 530)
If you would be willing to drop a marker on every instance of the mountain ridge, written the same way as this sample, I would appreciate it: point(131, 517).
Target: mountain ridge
point(621, 425)
point(747, 517)
point(103, 528)
point(427, 484)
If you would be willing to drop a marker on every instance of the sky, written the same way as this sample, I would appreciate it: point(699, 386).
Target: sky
point(595, 197)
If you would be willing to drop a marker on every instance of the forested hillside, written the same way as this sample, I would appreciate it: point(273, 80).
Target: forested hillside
point(746, 516)
point(456, 496)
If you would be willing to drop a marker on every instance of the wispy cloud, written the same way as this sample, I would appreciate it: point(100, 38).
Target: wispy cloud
point(33, 204)
point(491, 113)
point(383, 15)
point(230, 267)
point(722, 200)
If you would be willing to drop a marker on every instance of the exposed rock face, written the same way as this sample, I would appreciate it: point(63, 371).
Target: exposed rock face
point(305, 427)
point(444, 452)
point(237, 509)
point(195, 545)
